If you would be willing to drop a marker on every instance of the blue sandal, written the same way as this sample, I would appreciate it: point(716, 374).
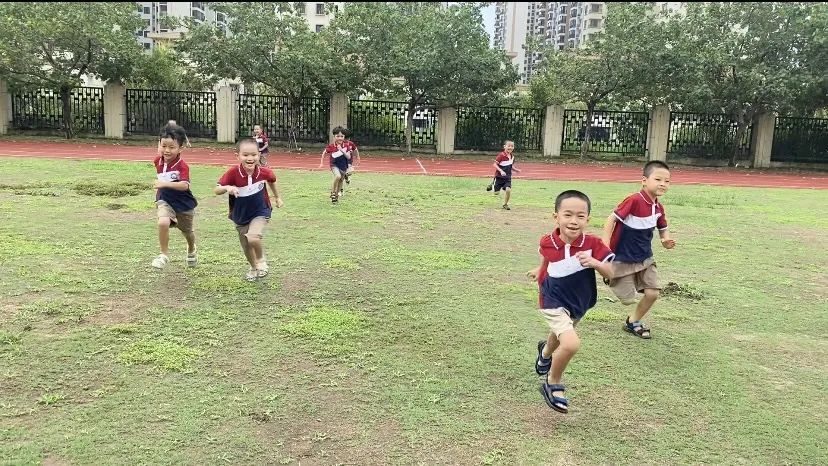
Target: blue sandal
point(542, 365)
point(558, 403)
point(637, 328)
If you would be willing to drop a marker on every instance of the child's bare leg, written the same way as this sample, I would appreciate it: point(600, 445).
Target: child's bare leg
point(552, 343)
point(256, 251)
point(164, 235)
point(568, 344)
point(190, 237)
point(645, 304)
point(507, 196)
point(248, 251)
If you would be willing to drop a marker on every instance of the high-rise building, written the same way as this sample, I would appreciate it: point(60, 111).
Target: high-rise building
point(156, 32)
point(560, 24)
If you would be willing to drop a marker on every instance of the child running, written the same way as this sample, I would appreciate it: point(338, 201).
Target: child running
point(504, 164)
point(340, 154)
point(354, 157)
point(263, 142)
point(250, 207)
point(566, 284)
point(629, 232)
point(175, 203)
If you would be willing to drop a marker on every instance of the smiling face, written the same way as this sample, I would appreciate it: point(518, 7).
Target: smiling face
point(257, 130)
point(249, 155)
point(170, 149)
point(657, 183)
point(339, 138)
point(509, 147)
point(572, 217)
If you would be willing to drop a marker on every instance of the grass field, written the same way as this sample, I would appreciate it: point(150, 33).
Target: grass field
point(397, 327)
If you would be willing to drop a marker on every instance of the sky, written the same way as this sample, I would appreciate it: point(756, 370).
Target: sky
point(489, 18)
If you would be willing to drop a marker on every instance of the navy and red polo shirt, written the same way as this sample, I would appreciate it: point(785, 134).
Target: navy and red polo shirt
point(337, 155)
point(261, 140)
point(563, 281)
point(351, 148)
point(505, 161)
point(252, 200)
point(177, 170)
point(632, 238)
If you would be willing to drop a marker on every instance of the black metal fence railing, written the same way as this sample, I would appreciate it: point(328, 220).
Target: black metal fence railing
point(276, 115)
point(800, 140)
point(148, 110)
point(382, 123)
point(485, 128)
point(610, 132)
point(706, 136)
point(42, 109)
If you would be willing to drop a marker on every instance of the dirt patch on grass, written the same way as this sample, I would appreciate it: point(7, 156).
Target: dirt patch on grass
point(687, 292)
point(119, 309)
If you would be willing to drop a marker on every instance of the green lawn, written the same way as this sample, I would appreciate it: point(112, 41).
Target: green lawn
point(397, 327)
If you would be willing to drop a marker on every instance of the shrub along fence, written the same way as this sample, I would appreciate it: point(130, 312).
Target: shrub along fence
point(42, 109)
point(382, 123)
point(710, 136)
point(148, 110)
point(623, 133)
point(284, 119)
point(485, 128)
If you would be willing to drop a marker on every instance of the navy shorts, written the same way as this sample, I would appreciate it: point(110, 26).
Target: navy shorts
point(502, 183)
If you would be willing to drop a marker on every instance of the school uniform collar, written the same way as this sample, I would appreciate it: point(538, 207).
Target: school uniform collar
point(243, 172)
point(644, 195)
point(162, 162)
point(558, 242)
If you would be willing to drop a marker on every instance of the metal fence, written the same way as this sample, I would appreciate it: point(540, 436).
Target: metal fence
point(148, 110)
point(706, 136)
point(800, 140)
point(382, 123)
point(485, 128)
point(277, 116)
point(611, 132)
point(42, 109)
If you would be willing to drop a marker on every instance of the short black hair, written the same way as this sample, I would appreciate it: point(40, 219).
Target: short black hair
point(340, 129)
point(173, 132)
point(244, 141)
point(652, 165)
point(572, 193)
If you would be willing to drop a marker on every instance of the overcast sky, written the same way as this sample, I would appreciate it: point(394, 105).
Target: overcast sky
point(488, 19)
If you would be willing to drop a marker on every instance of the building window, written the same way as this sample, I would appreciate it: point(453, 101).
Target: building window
point(221, 18)
point(146, 10)
point(199, 5)
point(319, 28)
point(595, 23)
point(147, 45)
point(199, 15)
point(320, 8)
point(162, 10)
point(300, 8)
point(596, 8)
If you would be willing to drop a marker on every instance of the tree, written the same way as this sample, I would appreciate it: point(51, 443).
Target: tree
point(167, 69)
point(612, 67)
point(54, 45)
point(269, 46)
point(424, 51)
point(744, 59)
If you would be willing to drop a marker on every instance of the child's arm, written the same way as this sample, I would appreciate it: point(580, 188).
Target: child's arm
point(497, 167)
point(322, 159)
point(187, 142)
point(515, 168)
point(357, 159)
point(274, 188)
point(604, 268)
point(176, 185)
point(265, 146)
point(232, 190)
point(609, 227)
point(535, 273)
point(666, 241)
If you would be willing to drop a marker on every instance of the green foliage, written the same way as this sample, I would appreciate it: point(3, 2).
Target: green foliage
point(167, 69)
point(54, 44)
point(269, 45)
point(424, 51)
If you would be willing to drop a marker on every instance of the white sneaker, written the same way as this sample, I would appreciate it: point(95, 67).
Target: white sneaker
point(192, 259)
point(161, 261)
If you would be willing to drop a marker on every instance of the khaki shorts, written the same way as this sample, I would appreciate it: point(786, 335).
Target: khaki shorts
point(559, 320)
point(630, 278)
point(254, 229)
point(336, 171)
point(181, 220)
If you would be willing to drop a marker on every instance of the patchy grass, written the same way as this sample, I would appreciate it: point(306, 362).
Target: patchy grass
point(396, 327)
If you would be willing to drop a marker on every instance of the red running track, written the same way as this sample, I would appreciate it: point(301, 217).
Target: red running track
point(443, 167)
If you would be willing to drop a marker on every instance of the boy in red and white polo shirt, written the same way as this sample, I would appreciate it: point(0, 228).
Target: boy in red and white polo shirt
point(566, 284)
point(175, 203)
point(340, 154)
point(250, 207)
point(629, 232)
point(504, 164)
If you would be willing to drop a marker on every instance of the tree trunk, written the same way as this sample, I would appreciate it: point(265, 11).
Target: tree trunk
point(741, 127)
point(293, 120)
point(587, 130)
point(409, 125)
point(66, 100)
